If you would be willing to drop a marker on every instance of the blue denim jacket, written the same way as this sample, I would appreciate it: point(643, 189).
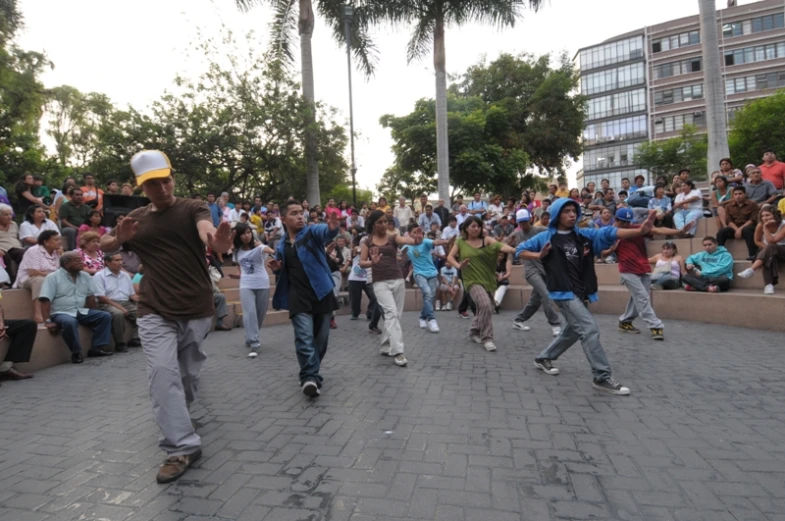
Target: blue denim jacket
point(310, 243)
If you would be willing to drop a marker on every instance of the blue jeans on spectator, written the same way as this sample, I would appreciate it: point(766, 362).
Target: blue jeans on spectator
point(99, 322)
point(683, 217)
point(428, 287)
point(667, 282)
point(580, 325)
point(311, 333)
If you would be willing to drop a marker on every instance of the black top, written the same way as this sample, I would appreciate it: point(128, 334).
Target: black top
point(571, 248)
point(302, 297)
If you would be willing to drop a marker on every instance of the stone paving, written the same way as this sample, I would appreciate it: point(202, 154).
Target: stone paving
point(459, 435)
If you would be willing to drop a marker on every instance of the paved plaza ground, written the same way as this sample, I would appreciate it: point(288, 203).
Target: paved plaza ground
point(459, 435)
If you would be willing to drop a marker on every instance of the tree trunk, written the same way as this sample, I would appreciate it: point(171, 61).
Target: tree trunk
point(713, 86)
point(306, 24)
point(442, 147)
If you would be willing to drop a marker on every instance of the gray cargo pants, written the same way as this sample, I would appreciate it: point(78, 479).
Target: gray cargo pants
point(640, 302)
point(173, 349)
point(539, 298)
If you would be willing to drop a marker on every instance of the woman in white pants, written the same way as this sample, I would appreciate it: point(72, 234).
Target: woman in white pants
point(251, 256)
point(379, 250)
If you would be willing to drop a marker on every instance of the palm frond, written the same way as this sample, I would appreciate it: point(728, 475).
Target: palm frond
point(419, 44)
point(283, 30)
point(246, 5)
point(364, 50)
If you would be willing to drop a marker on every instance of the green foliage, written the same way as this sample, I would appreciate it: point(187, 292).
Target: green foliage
point(343, 192)
point(667, 157)
point(504, 119)
point(758, 127)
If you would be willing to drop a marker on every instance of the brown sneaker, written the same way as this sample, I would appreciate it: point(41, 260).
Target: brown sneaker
point(175, 466)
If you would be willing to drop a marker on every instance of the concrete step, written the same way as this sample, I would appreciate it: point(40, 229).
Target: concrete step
point(608, 274)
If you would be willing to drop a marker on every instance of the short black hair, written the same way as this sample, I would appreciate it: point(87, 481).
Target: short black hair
point(412, 227)
point(728, 160)
point(709, 238)
point(452, 218)
point(640, 176)
point(46, 235)
point(609, 189)
point(739, 189)
point(684, 170)
point(545, 213)
point(623, 192)
point(429, 205)
point(601, 180)
point(625, 179)
point(289, 202)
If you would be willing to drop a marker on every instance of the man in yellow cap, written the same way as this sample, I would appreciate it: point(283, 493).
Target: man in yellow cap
point(175, 299)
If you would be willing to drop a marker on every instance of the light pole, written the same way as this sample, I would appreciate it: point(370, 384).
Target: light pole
point(347, 11)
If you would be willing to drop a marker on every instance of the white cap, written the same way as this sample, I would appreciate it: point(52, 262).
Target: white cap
point(150, 164)
point(522, 215)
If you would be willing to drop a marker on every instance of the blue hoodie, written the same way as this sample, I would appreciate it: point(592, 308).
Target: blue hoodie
point(713, 265)
point(599, 240)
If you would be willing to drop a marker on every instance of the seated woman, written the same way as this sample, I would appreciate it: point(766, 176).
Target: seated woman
point(92, 257)
point(93, 224)
point(770, 237)
point(721, 196)
point(688, 208)
point(35, 222)
point(668, 267)
point(664, 206)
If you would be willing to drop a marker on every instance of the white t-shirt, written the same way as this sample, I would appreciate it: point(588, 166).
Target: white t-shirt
point(450, 232)
point(694, 205)
point(253, 269)
point(449, 273)
point(28, 229)
point(357, 273)
point(496, 212)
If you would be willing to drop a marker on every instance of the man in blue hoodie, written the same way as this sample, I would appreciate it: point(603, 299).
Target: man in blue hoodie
point(567, 254)
point(304, 286)
point(710, 270)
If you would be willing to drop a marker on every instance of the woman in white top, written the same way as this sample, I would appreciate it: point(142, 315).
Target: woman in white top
point(688, 208)
point(770, 237)
point(254, 282)
point(668, 267)
point(35, 222)
point(495, 209)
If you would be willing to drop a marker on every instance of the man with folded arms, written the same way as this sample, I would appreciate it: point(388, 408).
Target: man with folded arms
point(115, 293)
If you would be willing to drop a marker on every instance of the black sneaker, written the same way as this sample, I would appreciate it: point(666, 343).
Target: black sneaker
point(611, 386)
point(627, 327)
point(656, 333)
point(311, 389)
point(544, 365)
point(120, 348)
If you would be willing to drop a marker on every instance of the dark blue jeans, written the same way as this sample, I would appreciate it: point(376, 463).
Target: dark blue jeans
point(311, 333)
point(99, 322)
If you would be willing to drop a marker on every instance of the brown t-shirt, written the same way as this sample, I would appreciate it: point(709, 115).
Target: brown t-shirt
point(387, 269)
point(176, 282)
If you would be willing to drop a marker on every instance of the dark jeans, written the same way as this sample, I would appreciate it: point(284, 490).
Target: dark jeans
point(665, 222)
point(22, 335)
point(99, 322)
point(702, 283)
point(69, 234)
point(13, 258)
point(311, 333)
point(356, 288)
point(748, 233)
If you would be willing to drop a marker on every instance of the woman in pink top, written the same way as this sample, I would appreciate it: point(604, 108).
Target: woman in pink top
point(93, 224)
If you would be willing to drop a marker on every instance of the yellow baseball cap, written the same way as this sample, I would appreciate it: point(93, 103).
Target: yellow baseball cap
point(150, 164)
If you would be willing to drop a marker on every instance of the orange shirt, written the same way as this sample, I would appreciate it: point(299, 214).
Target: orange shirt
point(91, 194)
point(774, 173)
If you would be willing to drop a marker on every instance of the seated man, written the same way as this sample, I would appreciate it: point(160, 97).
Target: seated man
point(22, 335)
point(68, 300)
point(219, 301)
point(115, 293)
point(39, 261)
point(741, 216)
point(710, 270)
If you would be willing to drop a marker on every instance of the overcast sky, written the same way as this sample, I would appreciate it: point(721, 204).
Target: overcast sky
point(131, 50)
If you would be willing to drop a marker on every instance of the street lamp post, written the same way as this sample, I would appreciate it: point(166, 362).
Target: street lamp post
point(347, 11)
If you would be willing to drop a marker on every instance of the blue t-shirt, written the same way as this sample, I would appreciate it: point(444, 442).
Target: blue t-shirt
point(421, 258)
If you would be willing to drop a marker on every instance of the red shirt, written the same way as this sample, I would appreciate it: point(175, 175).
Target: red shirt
point(632, 256)
point(774, 173)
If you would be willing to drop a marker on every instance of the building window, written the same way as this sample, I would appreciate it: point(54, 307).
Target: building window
point(616, 104)
point(612, 79)
point(610, 53)
point(666, 70)
point(771, 80)
point(677, 122)
point(615, 130)
point(609, 157)
point(755, 25)
point(675, 42)
point(688, 93)
point(758, 53)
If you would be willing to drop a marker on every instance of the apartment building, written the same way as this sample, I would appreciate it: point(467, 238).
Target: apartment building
point(647, 84)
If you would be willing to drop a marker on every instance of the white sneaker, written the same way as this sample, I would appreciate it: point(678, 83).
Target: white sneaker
point(433, 327)
point(769, 289)
point(254, 350)
point(520, 325)
point(311, 389)
point(385, 352)
point(489, 346)
point(476, 339)
point(438, 305)
point(449, 306)
point(423, 324)
point(556, 330)
point(400, 360)
point(746, 274)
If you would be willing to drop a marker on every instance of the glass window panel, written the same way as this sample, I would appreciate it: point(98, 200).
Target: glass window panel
point(749, 55)
point(751, 83)
point(746, 27)
point(768, 23)
point(740, 85)
point(684, 39)
point(779, 20)
point(668, 124)
point(760, 53)
point(727, 30)
point(757, 25)
point(729, 87)
point(695, 38)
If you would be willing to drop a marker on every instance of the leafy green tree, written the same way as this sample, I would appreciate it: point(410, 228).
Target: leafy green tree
point(73, 122)
point(430, 19)
point(298, 16)
point(757, 127)
point(399, 182)
point(666, 157)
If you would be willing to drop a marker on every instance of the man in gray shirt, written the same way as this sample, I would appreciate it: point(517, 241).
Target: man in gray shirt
point(534, 273)
point(758, 190)
point(608, 200)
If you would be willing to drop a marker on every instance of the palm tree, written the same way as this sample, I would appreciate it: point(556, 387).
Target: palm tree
point(714, 90)
point(298, 15)
point(430, 17)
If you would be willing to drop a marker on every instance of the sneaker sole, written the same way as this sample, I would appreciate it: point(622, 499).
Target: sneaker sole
point(401, 364)
point(163, 481)
point(311, 390)
point(552, 372)
point(634, 332)
point(253, 354)
point(520, 327)
point(625, 392)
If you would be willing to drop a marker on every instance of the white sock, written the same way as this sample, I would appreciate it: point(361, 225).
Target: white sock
point(749, 272)
point(5, 366)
